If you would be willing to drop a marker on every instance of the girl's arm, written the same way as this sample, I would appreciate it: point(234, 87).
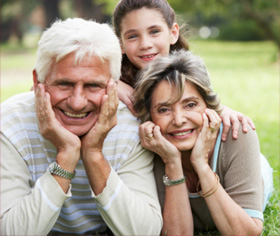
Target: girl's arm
point(125, 93)
point(232, 118)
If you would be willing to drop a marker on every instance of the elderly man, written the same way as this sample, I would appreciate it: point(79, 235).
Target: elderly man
point(71, 158)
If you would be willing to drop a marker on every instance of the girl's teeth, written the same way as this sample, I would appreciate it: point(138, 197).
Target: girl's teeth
point(81, 115)
point(148, 56)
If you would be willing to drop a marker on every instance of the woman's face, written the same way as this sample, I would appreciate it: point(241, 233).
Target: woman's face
point(179, 122)
point(145, 36)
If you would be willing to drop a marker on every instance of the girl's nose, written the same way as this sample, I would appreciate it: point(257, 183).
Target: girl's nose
point(146, 42)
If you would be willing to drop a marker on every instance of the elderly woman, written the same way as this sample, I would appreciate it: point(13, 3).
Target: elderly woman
point(203, 183)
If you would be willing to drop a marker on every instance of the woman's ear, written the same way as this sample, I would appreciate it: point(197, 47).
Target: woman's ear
point(174, 33)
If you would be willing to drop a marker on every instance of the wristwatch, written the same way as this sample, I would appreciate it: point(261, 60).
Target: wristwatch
point(55, 169)
point(169, 182)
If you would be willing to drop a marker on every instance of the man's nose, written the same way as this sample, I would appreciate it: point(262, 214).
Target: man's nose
point(78, 100)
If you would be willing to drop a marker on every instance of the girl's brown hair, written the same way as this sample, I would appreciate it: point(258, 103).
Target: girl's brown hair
point(123, 7)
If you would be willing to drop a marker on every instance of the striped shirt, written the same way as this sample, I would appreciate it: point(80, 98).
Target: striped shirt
point(32, 202)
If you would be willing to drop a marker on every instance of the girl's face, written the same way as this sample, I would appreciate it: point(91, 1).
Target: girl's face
point(179, 122)
point(145, 36)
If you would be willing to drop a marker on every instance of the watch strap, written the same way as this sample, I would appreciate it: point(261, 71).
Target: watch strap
point(169, 182)
point(55, 169)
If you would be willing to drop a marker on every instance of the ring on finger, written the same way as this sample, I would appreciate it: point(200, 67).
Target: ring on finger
point(43, 118)
point(212, 129)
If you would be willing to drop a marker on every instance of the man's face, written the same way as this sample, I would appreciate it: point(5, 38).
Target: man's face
point(76, 92)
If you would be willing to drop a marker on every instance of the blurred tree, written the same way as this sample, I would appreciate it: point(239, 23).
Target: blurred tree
point(239, 19)
point(51, 11)
point(91, 9)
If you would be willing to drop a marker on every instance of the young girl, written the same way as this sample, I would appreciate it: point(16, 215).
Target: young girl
point(147, 29)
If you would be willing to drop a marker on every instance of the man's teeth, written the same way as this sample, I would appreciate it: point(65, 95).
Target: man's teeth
point(182, 133)
point(80, 115)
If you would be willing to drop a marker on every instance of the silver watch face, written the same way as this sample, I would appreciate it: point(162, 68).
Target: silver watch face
point(52, 167)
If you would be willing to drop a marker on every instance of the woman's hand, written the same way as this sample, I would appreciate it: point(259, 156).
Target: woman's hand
point(206, 139)
point(126, 95)
point(152, 139)
point(232, 118)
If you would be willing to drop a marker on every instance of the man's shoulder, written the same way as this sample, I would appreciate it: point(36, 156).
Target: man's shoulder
point(19, 101)
point(17, 110)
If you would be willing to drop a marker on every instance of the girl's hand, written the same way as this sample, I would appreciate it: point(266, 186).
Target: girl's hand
point(206, 139)
point(232, 118)
point(126, 95)
point(152, 139)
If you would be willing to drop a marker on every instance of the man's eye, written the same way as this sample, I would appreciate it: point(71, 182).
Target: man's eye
point(93, 86)
point(64, 84)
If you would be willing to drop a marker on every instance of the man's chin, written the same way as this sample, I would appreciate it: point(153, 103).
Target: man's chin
point(79, 132)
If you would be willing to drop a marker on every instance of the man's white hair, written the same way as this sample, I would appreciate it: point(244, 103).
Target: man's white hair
point(79, 36)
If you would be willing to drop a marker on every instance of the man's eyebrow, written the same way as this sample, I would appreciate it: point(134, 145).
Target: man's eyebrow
point(62, 80)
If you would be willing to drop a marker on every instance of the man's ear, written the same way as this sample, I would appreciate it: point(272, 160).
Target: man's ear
point(174, 33)
point(35, 80)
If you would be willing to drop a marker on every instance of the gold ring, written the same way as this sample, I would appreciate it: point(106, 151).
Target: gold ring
point(43, 118)
point(212, 129)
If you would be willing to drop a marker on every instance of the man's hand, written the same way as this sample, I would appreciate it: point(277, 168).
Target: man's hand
point(67, 144)
point(97, 167)
point(107, 119)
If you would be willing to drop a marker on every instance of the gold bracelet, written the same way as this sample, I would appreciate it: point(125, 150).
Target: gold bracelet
point(212, 190)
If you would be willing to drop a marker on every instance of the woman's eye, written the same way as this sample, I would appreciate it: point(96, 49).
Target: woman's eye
point(191, 104)
point(163, 110)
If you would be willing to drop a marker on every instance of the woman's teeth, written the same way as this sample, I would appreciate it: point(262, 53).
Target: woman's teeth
point(182, 133)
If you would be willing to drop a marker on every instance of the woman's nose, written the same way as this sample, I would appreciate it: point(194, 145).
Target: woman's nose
point(179, 118)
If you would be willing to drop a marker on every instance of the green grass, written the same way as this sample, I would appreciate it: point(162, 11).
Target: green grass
point(245, 75)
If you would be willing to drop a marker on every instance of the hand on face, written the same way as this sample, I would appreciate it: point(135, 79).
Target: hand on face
point(206, 139)
point(50, 127)
point(107, 119)
point(152, 139)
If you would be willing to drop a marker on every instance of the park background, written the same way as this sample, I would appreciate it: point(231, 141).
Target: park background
point(238, 40)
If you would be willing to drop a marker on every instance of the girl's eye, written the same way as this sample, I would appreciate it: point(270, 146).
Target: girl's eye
point(155, 31)
point(133, 36)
